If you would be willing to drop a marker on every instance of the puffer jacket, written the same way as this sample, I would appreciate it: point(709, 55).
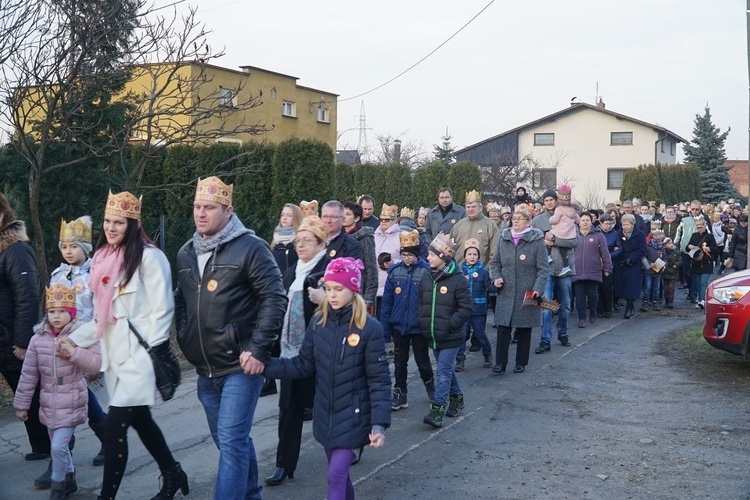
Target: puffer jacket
point(445, 308)
point(400, 308)
point(369, 274)
point(653, 253)
point(674, 262)
point(613, 243)
point(479, 285)
point(63, 396)
point(238, 305)
point(19, 293)
point(353, 384)
point(592, 256)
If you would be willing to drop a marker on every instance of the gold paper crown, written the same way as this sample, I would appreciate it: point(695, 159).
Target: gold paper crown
point(407, 213)
point(60, 296)
point(471, 243)
point(212, 189)
point(389, 211)
point(315, 225)
point(423, 210)
point(473, 196)
point(504, 210)
point(493, 208)
point(409, 238)
point(123, 205)
point(77, 231)
point(444, 245)
point(309, 208)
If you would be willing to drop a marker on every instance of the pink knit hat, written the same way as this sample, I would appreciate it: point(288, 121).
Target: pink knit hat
point(345, 271)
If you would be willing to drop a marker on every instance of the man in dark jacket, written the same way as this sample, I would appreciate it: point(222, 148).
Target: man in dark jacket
point(444, 215)
point(369, 219)
point(229, 307)
point(339, 243)
point(19, 311)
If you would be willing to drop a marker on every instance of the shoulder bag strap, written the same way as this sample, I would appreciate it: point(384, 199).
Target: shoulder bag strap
point(138, 336)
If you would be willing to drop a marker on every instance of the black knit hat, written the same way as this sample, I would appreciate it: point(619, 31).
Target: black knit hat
point(550, 193)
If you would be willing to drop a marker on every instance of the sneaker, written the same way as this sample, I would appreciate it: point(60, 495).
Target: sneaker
point(487, 360)
point(390, 347)
point(498, 369)
point(460, 364)
point(701, 305)
point(455, 405)
point(565, 271)
point(543, 347)
point(399, 400)
point(564, 341)
point(657, 307)
point(435, 417)
point(475, 348)
point(550, 260)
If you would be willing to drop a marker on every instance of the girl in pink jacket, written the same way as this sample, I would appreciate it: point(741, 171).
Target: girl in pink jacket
point(53, 360)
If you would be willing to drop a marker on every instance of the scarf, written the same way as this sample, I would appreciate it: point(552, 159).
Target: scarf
point(303, 269)
point(293, 329)
point(283, 235)
point(669, 219)
point(442, 271)
point(105, 268)
point(233, 229)
point(517, 235)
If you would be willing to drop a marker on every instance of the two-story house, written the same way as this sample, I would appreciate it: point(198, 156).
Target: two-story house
point(587, 146)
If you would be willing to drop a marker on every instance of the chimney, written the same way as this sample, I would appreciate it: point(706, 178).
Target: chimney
point(397, 151)
point(601, 104)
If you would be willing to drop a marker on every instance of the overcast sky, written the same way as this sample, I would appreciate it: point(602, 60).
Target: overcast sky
point(660, 61)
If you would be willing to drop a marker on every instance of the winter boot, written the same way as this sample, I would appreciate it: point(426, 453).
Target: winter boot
point(430, 387)
point(644, 306)
point(44, 481)
point(57, 491)
point(460, 364)
point(269, 387)
point(435, 417)
point(399, 400)
point(564, 340)
point(70, 483)
point(487, 360)
point(98, 429)
point(455, 405)
point(174, 479)
point(657, 307)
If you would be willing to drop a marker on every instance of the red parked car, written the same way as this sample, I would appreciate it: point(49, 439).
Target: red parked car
point(728, 313)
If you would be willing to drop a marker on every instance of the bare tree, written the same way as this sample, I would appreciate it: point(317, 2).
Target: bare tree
point(410, 152)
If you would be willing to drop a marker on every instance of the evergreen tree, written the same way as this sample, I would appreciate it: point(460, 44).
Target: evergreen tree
point(706, 150)
point(445, 153)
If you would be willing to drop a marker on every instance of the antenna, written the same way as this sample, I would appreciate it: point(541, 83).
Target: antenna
point(596, 98)
point(363, 128)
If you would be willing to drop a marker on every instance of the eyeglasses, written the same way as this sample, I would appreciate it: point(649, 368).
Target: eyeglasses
point(305, 241)
point(407, 255)
point(331, 217)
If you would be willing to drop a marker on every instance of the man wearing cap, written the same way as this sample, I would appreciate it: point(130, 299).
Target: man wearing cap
point(443, 216)
point(339, 244)
point(558, 287)
point(229, 307)
point(475, 226)
point(368, 211)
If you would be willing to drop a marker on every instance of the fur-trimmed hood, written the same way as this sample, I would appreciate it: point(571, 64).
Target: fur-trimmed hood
point(12, 233)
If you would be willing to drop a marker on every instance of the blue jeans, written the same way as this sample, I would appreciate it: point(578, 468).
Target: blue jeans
point(559, 289)
point(478, 325)
point(701, 281)
point(652, 288)
point(229, 403)
point(445, 378)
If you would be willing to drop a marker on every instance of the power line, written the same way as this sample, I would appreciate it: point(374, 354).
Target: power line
point(421, 60)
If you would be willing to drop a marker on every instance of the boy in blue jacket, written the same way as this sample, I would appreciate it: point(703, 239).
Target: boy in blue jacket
point(480, 286)
point(399, 316)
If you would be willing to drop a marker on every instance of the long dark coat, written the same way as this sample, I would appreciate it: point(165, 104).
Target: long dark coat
point(628, 268)
point(523, 268)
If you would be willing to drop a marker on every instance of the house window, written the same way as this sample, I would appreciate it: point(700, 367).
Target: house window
point(615, 177)
point(273, 93)
point(621, 139)
point(544, 178)
point(228, 97)
point(544, 139)
point(671, 147)
point(662, 145)
point(288, 109)
point(323, 115)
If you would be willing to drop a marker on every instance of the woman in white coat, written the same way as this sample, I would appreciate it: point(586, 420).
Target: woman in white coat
point(132, 283)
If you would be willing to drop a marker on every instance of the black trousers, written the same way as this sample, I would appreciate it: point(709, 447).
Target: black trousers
point(586, 292)
point(401, 358)
point(116, 425)
point(290, 437)
point(522, 348)
point(37, 433)
point(606, 294)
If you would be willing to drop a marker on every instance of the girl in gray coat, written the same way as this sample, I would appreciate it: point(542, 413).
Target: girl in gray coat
point(519, 265)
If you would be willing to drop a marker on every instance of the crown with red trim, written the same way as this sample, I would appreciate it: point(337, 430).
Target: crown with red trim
point(213, 189)
point(123, 205)
point(59, 296)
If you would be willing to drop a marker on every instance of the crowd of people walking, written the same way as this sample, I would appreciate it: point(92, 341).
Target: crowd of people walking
point(337, 295)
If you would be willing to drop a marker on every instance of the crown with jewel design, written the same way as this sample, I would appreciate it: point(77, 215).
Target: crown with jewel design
point(471, 243)
point(123, 205)
point(443, 246)
point(212, 189)
point(407, 213)
point(473, 196)
point(315, 225)
point(409, 239)
point(388, 211)
point(77, 231)
point(309, 208)
point(59, 296)
point(423, 210)
point(493, 208)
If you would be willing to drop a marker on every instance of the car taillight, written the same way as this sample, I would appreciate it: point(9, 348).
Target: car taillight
point(730, 294)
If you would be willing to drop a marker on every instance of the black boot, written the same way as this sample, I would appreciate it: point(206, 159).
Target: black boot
point(44, 481)
point(70, 483)
point(279, 475)
point(430, 388)
point(269, 387)
point(629, 309)
point(57, 491)
point(98, 429)
point(174, 479)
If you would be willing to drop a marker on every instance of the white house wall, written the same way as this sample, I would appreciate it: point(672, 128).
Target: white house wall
point(582, 152)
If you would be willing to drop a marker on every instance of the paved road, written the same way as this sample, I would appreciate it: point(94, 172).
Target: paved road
point(609, 417)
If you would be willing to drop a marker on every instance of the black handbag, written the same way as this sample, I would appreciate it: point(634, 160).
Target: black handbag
point(166, 365)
